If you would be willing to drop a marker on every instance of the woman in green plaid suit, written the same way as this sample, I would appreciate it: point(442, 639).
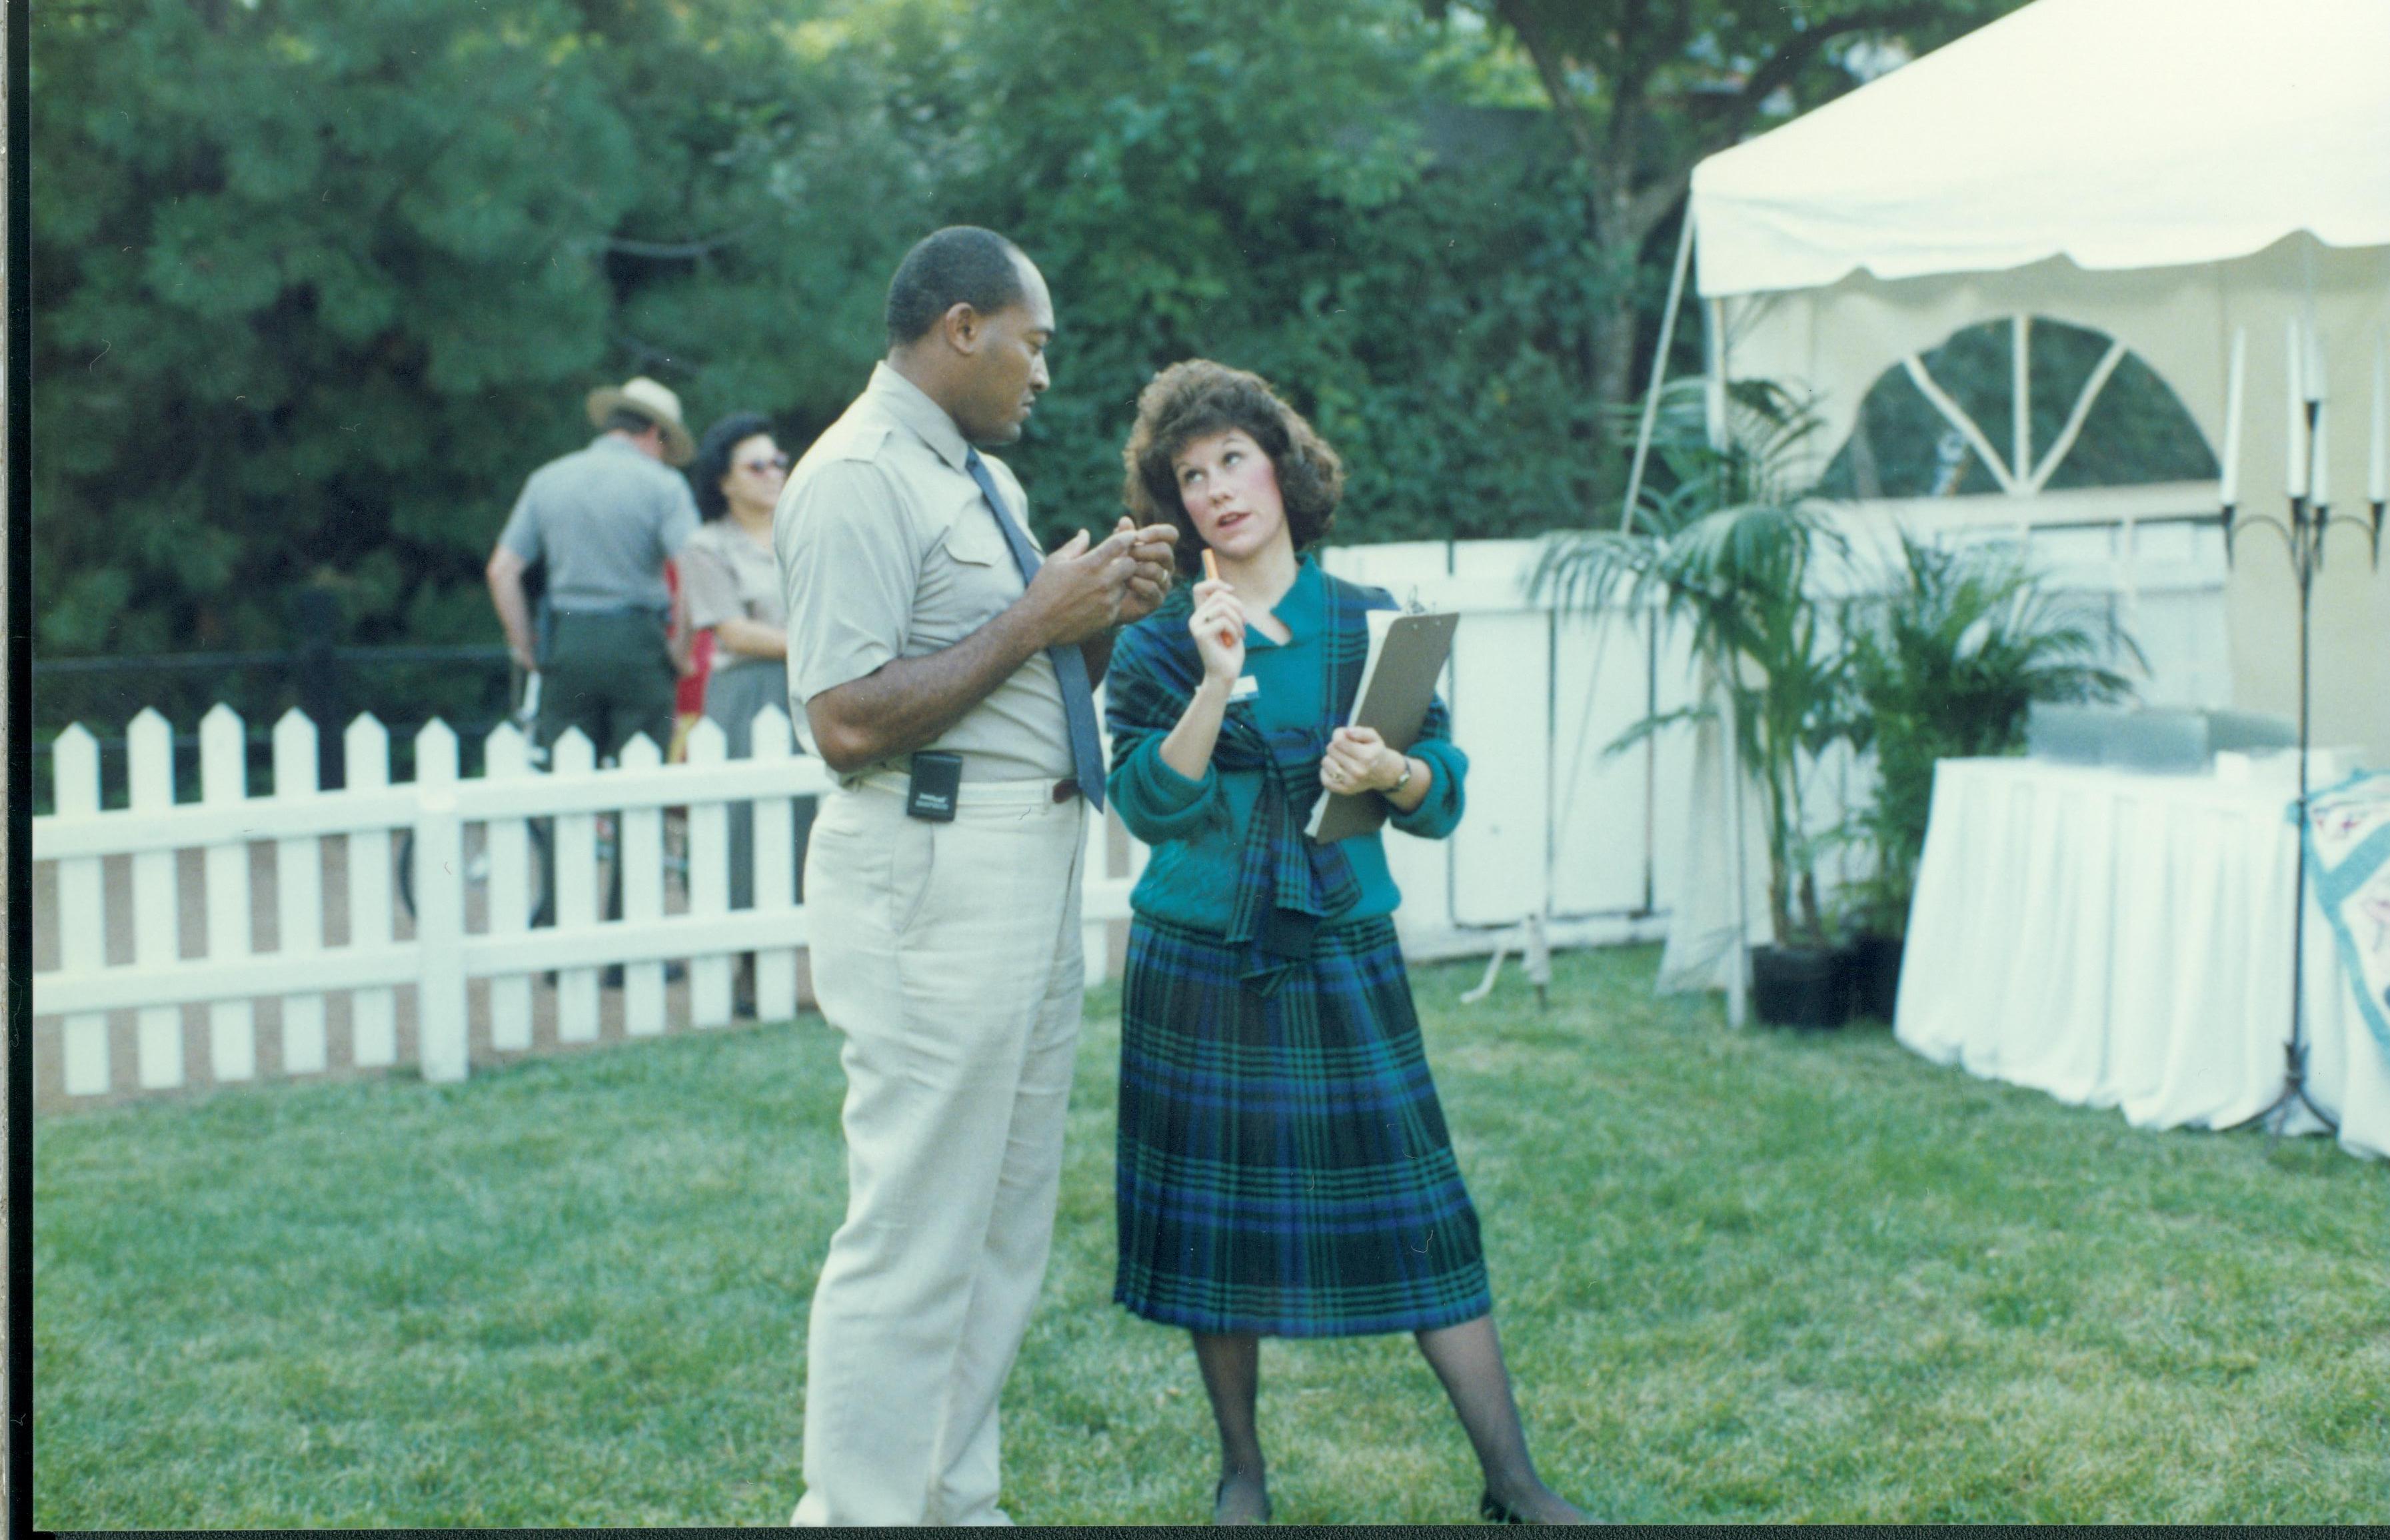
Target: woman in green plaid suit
point(1284, 1168)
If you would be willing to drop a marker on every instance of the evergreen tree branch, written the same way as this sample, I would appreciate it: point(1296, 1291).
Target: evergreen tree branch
point(1801, 50)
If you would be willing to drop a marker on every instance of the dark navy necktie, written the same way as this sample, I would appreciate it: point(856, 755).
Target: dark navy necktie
point(1070, 664)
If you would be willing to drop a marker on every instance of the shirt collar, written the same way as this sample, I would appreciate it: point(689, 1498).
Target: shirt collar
point(912, 407)
point(1300, 608)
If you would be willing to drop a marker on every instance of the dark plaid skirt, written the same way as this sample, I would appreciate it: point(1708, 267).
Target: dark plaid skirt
point(1284, 1168)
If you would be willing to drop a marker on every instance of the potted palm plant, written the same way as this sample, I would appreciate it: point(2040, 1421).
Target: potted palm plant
point(1724, 546)
point(1943, 662)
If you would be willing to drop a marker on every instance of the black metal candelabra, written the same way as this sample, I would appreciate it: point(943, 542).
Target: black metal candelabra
point(2302, 538)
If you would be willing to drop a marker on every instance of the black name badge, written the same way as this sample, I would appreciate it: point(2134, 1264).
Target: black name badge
point(936, 781)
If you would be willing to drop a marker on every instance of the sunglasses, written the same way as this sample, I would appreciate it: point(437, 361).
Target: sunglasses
point(764, 466)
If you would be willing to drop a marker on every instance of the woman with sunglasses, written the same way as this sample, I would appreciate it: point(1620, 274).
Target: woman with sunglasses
point(734, 590)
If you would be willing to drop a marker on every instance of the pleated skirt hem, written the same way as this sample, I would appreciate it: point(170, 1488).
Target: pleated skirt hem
point(1284, 1168)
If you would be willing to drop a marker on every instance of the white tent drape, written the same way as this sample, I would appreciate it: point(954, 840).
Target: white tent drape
point(2167, 172)
point(2120, 135)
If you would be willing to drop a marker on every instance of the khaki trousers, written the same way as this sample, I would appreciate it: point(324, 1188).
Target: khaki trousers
point(949, 957)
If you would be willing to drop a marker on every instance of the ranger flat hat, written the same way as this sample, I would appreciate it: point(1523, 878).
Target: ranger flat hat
point(652, 401)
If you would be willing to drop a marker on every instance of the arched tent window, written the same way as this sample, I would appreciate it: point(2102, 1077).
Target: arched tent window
point(2017, 407)
point(2055, 440)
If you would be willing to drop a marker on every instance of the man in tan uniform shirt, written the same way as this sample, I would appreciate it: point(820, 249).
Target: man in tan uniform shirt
point(946, 953)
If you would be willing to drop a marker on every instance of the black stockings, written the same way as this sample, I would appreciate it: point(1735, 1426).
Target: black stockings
point(1467, 1358)
point(1231, 1367)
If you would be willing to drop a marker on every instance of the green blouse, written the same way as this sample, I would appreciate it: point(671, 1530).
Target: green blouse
point(1197, 827)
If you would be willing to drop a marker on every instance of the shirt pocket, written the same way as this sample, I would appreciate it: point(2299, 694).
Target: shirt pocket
point(975, 540)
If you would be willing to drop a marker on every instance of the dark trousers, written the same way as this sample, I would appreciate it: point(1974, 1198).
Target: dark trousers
point(608, 674)
point(611, 675)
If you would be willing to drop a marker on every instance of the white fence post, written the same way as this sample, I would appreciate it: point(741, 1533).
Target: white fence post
point(576, 890)
point(708, 881)
point(640, 857)
point(158, 1030)
point(440, 1023)
point(373, 1013)
point(776, 869)
point(507, 843)
point(74, 771)
point(298, 894)
point(223, 771)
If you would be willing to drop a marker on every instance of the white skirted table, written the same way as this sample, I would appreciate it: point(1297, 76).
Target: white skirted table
point(2120, 939)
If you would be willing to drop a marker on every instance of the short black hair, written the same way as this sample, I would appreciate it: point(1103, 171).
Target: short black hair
point(961, 264)
point(713, 461)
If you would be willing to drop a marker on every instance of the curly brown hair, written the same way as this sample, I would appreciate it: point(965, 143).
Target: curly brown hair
point(1198, 398)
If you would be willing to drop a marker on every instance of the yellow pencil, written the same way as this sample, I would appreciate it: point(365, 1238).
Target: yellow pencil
point(1211, 574)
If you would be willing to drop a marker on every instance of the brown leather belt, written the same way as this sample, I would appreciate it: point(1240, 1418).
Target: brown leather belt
point(1065, 791)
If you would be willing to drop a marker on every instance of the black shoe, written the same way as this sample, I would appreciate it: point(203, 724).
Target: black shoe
point(1494, 1510)
point(1219, 1490)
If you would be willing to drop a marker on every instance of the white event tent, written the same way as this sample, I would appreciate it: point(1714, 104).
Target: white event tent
point(2172, 174)
point(2167, 172)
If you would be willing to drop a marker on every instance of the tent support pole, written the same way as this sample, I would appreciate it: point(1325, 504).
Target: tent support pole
point(1739, 964)
point(1737, 976)
point(1659, 373)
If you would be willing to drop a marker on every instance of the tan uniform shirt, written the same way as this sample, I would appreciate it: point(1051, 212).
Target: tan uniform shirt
point(888, 550)
point(727, 576)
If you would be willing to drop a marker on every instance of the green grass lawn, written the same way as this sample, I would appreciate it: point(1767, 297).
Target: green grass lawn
point(1741, 1277)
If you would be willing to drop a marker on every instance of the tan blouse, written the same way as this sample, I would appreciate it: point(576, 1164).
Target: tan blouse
point(728, 576)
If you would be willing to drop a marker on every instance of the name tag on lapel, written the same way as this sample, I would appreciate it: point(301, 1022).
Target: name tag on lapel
point(1245, 689)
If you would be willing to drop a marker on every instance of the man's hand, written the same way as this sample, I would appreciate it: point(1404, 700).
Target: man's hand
point(1152, 548)
point(1078, 593)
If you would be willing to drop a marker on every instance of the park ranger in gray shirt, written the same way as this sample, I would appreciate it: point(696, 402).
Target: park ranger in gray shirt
point(924, 628)
point(604, 519)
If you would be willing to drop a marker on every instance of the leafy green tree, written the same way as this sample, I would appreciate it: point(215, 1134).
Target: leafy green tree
point(1284, 188)
point(306, 279)
point(317, 285)
point(1646, 89)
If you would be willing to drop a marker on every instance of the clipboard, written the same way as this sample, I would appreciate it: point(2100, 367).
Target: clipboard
point(1407, 657)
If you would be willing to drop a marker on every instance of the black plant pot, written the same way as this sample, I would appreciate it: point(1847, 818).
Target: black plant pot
point(1803, 987)
point(1875, 976)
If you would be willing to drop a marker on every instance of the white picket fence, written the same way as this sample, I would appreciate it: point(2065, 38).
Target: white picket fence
point(1585, 845)
point(443, 952)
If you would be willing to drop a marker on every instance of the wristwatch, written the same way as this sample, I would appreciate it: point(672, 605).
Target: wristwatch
point(1396, 789)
